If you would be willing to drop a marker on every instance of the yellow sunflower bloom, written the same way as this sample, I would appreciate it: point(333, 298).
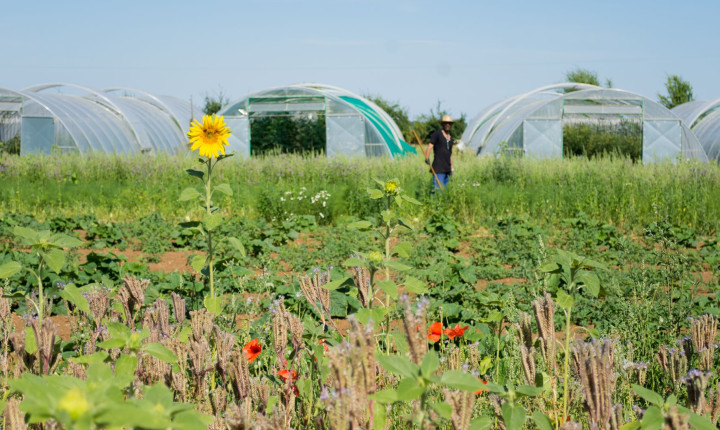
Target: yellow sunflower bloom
point(211, 137)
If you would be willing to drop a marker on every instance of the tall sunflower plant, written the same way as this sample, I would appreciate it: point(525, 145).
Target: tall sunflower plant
point(209, 138)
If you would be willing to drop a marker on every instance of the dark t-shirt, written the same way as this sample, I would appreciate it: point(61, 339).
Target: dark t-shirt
point(442, 149)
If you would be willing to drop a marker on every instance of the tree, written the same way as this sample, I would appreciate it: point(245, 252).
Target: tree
point(582, 76)
point(213, 103)
point(426, 124)
point(679, 91)
point(398, 113)
point(586, 76)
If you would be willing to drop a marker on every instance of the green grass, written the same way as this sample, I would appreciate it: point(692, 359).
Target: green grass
point(608, 189)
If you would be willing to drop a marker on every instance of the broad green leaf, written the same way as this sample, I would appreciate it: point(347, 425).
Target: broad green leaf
point(375, 194)
point(541, 421)
point(211, 221)
point(493, 317)
point(513, 416)
point(378, 314)
point(118, 330)
point(73, 295)
point(482, 423)
point(430, 363)
point(61, 240)
point(652, 418)
point(29, 235)
point(160, 352)
point(410, 200)
point(213, 304)
point(196, 173)
point(359, 225)
point(529, 390)
point(398, 365)
point(223, 189)
point(564, 300)
point(389, 287)
point(334, 285)
point(461, 381)
point(415, 285)
point(237, 245)
point(590, 281)
point(701, 423)
point(380, 416)
point(54, 258)
point(189, 194)
point(442, 408)
point(198, 263)
point(97, 357)
point(10, 268)
point(397, 266)
point(354, 262)
point(385, 396)
point(30, 344)
point(650, 396)
point(550, 267)
point(272, 401)
point(125, 367)
point(403, 249)
point(113, 343)
point(410, 389)
point(364, 316)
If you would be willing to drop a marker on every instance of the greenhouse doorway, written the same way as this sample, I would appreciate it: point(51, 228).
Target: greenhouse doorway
point(596, 127)
point(288, 133)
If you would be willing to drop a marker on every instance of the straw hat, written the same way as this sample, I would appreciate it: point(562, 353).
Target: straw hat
point(446, 118)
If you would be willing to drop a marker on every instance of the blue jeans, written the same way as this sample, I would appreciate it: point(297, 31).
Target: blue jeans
point(444, 178)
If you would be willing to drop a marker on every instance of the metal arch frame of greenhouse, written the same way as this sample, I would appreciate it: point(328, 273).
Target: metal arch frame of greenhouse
point(381, 124)
point(108, 103)
point(704, 109)
point(703, 117)
point(56, 117)
point(512, 101)
point(151, 97)
point(380, 111)
point(533, 125)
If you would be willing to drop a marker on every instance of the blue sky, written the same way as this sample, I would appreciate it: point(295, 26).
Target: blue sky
point(463, 54)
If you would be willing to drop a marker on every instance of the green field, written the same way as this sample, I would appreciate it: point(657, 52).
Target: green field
point(589, 289)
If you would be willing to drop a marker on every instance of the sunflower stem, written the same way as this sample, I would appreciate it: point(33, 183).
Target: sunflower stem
point(208, 203)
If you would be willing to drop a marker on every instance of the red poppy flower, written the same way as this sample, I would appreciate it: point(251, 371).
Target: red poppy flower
point(435, 331)
point(482, 389)
point(252, 349)
point(287, 374)
point(456, 331)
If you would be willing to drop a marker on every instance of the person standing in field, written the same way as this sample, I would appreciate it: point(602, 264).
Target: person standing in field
point(441, 144)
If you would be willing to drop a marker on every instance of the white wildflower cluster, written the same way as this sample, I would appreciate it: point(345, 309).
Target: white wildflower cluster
point(320, 199)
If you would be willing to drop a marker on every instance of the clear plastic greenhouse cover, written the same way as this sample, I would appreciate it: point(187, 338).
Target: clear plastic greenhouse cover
point(703, 118)
point(73, 118)
point(532, 123)
point(354, 125)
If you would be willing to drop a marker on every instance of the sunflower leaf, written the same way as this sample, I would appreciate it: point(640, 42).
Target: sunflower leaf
point(196, 173)
point(189, 194)
point(224, 189)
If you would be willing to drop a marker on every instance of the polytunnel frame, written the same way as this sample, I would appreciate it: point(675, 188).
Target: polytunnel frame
point(704, 109)
point(695, 118)
point(109, 103)
point(686, 144)
point(56, 117)
point(157, 102)
point(491, 112)
point(397, 146)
